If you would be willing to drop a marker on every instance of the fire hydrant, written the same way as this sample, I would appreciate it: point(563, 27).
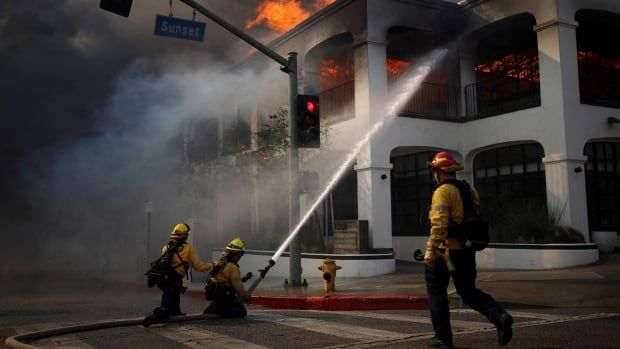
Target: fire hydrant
point(329, 267)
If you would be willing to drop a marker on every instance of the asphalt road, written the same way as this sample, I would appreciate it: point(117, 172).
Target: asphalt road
point(43, 304)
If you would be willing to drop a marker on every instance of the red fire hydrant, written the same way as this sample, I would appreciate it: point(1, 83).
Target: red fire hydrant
point(329, 267)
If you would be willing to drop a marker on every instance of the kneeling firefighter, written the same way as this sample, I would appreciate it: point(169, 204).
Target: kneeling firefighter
point(168, 270)
point(224, 287)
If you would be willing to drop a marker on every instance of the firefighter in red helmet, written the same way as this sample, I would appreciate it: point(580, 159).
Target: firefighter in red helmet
point(446, 257)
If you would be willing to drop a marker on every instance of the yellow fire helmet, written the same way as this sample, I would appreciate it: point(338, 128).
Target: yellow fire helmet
point(236, 245)
point(180, 231)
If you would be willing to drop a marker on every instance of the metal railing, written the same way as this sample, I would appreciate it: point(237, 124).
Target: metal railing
point(433, 101)
point(441, 102)
point(338, 103)
point(483, 99)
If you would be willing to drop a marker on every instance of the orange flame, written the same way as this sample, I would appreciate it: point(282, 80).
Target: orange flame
point(510, 65)
point(333, 73)
point(282, 15)
point(279, 15)
point(396, 68)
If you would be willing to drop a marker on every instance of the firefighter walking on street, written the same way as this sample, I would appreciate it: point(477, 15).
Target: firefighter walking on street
point(224, 287)
point(182, 256)
point(446, 256)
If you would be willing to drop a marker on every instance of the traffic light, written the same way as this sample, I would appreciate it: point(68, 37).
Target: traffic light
point(120, 7)
point(308, 122)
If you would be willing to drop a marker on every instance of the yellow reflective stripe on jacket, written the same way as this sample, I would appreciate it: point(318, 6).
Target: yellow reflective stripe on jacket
point(231, 276)
point(447, 208)
point(190, 259)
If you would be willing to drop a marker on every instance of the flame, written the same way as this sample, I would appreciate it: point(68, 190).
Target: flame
point(282, 15)
point(279, 15)
point(512, 66)
point(396, 68)
point(334, 73)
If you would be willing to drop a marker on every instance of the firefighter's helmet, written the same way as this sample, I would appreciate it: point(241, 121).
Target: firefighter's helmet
point(180, 231)
point(236, 245)
point(445, 162)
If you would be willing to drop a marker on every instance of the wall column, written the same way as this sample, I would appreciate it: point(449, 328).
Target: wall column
point(373, 191)
point(559, 91)
point(566, 190)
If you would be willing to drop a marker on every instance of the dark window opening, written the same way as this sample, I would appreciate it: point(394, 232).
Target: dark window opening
point(603, 185)
point(506, 67)
point(411, 191)
point(513, 195)
point(344, 197)
point(598, 57)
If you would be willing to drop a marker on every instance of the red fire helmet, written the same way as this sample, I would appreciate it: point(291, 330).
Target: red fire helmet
point(445, 162)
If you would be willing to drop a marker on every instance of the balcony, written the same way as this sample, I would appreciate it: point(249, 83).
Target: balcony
point(338, 103)
point(433, 101)
point(441, 102)
point(484, 99)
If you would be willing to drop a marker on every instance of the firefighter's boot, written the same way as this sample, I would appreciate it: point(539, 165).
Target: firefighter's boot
point(504, 329)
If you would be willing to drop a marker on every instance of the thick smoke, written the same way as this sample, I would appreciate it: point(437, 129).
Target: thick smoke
point(95, 111)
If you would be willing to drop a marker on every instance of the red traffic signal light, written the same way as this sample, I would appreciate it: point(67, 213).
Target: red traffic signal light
point(308, 122)
point(310, 106)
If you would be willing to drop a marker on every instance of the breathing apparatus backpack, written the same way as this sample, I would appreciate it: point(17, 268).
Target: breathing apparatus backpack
point(473, 232)
point(162, 266)
point(216, 290)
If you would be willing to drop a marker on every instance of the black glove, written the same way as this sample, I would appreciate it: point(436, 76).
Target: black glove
point(247, 277)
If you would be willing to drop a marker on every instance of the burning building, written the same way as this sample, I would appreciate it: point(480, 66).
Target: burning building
point(522, 98)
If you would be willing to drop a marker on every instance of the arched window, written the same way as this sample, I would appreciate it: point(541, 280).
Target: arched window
point(598, 57)
point(411, 188)
point(512, 172)
point(603, 185)
point(513, 195)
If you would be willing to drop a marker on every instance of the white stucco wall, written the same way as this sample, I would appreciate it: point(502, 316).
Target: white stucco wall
point(360, 266)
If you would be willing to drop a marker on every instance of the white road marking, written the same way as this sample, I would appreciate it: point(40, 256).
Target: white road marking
point(409, 318)
point(341, 330)
point(198, 337)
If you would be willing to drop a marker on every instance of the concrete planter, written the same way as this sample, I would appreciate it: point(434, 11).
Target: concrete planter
point(605, 240)
point(511, 256)
point(536, 256)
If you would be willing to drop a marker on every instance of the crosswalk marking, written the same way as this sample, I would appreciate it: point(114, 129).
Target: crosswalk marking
point(341, 330)
point(410, 318)
point(198, 337)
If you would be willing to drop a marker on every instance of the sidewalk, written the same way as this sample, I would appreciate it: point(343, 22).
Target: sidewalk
point(596, 285)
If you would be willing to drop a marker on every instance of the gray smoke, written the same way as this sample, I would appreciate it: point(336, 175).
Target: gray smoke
point(95, 109)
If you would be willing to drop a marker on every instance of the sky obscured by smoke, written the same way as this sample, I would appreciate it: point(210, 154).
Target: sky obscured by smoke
point(92, 106)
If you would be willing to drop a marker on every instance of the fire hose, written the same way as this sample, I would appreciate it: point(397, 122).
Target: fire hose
point(17, 342)
point(261, 276)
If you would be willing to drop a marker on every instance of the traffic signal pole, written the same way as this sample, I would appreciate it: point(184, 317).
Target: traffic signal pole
point(293, 176)
point(288, 66)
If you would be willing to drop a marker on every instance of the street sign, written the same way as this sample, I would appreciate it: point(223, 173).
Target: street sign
point(179, 28)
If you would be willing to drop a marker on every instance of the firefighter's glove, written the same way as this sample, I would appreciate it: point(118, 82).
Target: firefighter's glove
point(247, 277)
point(431, 256)
point(245, 297)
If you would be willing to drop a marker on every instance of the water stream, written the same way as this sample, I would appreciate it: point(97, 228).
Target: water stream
point(401, 93)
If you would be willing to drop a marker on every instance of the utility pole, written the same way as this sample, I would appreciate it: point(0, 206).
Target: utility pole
point(288, 66)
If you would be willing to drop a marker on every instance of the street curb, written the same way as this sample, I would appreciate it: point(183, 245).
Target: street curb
point(342, 302)
point(336, 302)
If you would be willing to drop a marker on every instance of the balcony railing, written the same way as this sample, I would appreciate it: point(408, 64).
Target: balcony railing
point(338, 103)
point(441, 102)
point(433, 101)
point(483, 99)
